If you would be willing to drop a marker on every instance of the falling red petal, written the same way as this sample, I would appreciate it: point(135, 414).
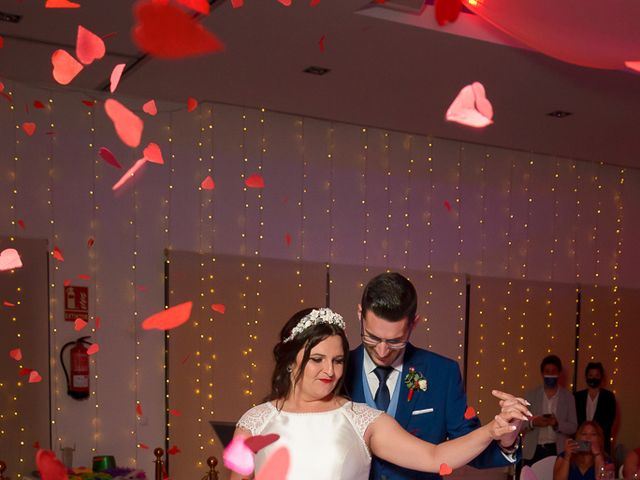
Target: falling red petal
point(21, 223)
point(89, 103)
point(153, 154)
point(313, 3)
point(29, 128)
point(174, 450)
point(61, 4)
point(16, 354)
point(175, 413)
point(36, 445)
point(24, 371)
point(50, 467)
point(254, 181)
point(150, 108)
point(127, 124)
point(7, 96)
point(57, 254)
point(200, 6)
point(141, 288)
point(276, 466)
point(633, 65)
point(258, 442)
point(1, 42)
point(66, 283)
point(129, 174)
point(447, 11)
point(89, 46)
point(94, 348)
point(8, 304)
point(98, 323)
point(192, 104)
point(170, 318)
point(165, 31)
point(116, 74)
point(321, 43)
point(38, 104)
point(237, 3)
point(184, 360)
point(447, 205)
point(65, 67)
point(84, 276)
point(208, 183)
point(286, 3)
point(445, 469)
point(9, 259)
point(34, 377)
point(90, 242)
point(79, 324)
point(469, 413)
point(287, 239)
point(109, 157)
point(143, 445)
point(219, 307)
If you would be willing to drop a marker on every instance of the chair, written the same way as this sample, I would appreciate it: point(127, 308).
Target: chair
point(544, 468)
point(527, 473)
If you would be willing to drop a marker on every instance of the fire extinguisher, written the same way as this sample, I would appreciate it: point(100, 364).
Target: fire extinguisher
point(78, 381)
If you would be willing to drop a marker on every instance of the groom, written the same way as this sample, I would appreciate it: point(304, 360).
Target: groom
point(434, 409)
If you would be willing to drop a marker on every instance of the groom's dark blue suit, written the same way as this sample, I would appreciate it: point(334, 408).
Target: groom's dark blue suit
point(433, 415)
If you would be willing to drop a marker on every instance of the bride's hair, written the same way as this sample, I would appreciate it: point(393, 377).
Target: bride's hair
point(285, 353)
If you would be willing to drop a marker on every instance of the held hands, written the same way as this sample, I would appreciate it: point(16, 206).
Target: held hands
point(513, 413)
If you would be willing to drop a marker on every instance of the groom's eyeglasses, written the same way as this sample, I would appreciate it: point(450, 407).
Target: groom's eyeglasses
point(373, 341)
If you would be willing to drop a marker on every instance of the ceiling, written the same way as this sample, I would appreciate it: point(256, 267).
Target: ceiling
point(386, 74)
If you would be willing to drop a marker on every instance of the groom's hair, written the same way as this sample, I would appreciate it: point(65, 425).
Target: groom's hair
point(390, 296)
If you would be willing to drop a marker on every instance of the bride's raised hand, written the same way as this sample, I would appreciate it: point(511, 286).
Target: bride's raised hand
point(513, 412)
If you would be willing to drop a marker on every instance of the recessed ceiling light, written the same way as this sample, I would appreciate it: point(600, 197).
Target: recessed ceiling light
point(314, 70)
point(559, 114)
point(10, 17)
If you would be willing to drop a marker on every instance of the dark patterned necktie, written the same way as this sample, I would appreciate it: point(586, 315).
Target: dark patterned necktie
point(382, 397)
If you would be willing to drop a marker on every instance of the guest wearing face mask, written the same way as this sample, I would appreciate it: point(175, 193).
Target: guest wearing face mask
point(596, 403)
point(554, 414)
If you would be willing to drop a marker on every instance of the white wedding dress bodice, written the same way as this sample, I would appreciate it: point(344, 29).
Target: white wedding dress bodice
point(322, 446)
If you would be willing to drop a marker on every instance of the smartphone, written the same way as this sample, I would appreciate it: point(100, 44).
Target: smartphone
point(584, 445)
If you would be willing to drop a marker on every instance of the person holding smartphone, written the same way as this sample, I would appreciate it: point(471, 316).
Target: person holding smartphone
point(584, 457)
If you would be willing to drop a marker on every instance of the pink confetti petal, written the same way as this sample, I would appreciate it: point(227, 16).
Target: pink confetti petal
point(50, 467)
point(65, 67)
point(276, 467)
point(447, 11)
point(66, 283)
point(84, 276)
point(127, 124)
point(16, 354)
point(8, 304)
point(464, 109)
point(238, 457)
point(445, 470)
point(633, 65)
point(208, 183)
point(175, 413)
point(200, 6)
point(61, 4)
point(79, 324)
point(469, 413)
point(89, 46)
point(57, 254)
point(34, 377)
point(29, 128)
point(150, 108)
point(38, 104)
point(115, 76)
point(153, 154)
point(109, 157)
point(258, 442)
point(94, 348)
point(174, 450)
point(129, 174)
point(24, 371)
point(170, 318)
point(192, 104)
point(286, 3)
point(313, 3)
point(237, 3)
point(254, 181)
point(9, 259)
point(219, 307)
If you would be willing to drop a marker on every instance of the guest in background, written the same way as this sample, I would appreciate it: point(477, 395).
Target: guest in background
point(554, 414)
point(631, 468)
point(583, 458)
point(597, 403)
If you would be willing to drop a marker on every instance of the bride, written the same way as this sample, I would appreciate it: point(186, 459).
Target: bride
point(330, 437)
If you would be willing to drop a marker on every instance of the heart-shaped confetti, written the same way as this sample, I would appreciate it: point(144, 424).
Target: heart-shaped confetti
point(218, 307)
point(116, 74)
point(447, 11)
point(200, 6)
point(633, 65)
point(170, 318)
point(57, 254)
point(153, 154)
point(174, 450)
point(36, 445)
point(90, 242)
point(447, 205)
point(84, 276)
point(238, 457)
point(29, 128)
point(109, 157)
point(165, 31)
point(150, 108)
point(79, 324)
point(287, 239)
point(192, 104)
point(127, 124)
point(66, 283)
point(138, 409)
point(94, 348)
point(24, 371)
point(21, 224)
point(61, 4)
point(471, 107)
point(129, 174)
point(98, 323)
point(237, 3)
point(469, 413)
point(258, 442)
point(34, 377)
point(89, 46)
point(208, 183)
point(89, 103)
point(254, 181)
point(175, 413)
point(276, 466)
point(65, 67)
point(9, 259)
point(445, 470)
point(38, 104)
point(8, 304)
point(286, 3)
point(313, 3)
point(50, 467)
point(16, 354)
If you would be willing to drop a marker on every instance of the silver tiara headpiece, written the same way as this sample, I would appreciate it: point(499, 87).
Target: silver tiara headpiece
point(315, 317)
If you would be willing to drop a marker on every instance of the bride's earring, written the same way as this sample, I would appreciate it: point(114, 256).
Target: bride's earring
point(289, 369)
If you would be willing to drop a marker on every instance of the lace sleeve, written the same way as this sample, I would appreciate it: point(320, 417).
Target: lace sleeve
point(255, 419)
point(361, 416)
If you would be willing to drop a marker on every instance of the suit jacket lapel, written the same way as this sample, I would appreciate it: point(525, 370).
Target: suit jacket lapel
point(405, 407)
point(357, 393)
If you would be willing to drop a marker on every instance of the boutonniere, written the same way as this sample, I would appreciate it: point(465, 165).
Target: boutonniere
point(414, 381)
